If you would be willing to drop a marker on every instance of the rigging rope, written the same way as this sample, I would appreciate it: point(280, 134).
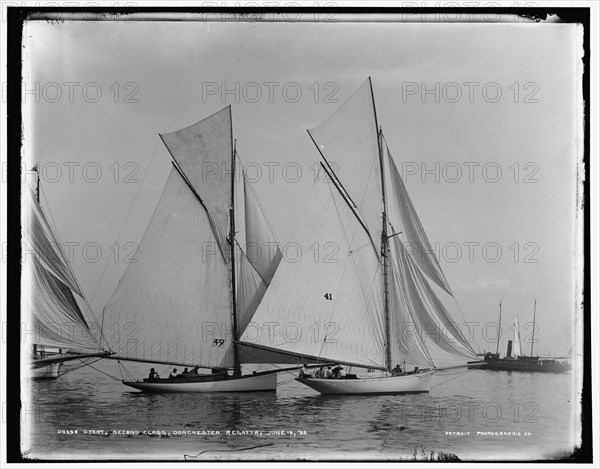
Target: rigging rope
point(356, 270)
point(465, 322)
point(124, 368)
point(458, 375)
point(283, 383)
point(100, 371)
point(90, 365)
point(78, 367)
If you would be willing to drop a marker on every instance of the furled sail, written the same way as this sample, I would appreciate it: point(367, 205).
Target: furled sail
point(173, 303)
point(51, 312)
point(203, 152)
point(348, 141)
point(403, 217)
point(325, 303)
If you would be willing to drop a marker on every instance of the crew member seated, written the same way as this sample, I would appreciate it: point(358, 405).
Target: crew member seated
point(336, 371)
point(173, 373)
point(304, 373)
point(153, 374)
point(397, 371)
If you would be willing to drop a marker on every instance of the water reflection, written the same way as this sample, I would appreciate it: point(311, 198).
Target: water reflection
point(300, 423)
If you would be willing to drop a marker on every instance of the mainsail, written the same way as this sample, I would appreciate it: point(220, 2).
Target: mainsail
point(325, 303)
point(348, 142)
point(54, 308)
point(376, 293)
point(196, 281)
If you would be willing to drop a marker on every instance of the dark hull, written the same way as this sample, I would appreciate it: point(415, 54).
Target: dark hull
point(531, 366)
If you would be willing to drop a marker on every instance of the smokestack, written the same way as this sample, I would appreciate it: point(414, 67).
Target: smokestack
point(509, 348)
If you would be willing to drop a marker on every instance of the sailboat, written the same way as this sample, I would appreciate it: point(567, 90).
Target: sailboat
point(57, 316)
point(202, 266)
point(516, 361)
point(376, 301)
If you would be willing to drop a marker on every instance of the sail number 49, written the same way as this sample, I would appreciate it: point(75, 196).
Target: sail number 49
point(218, 342)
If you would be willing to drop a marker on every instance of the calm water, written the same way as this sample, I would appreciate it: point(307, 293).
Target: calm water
point(539, 406)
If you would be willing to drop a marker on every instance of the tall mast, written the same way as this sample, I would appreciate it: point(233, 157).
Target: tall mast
point(37, 181)
point(37, 196)
point(237, 369)
point(499, 323)
point(533, 332)
point(384, 243)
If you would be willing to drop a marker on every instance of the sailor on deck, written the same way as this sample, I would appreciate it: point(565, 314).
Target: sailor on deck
point(304, 373)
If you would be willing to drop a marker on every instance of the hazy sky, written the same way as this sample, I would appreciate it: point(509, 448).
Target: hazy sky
point(159, 77)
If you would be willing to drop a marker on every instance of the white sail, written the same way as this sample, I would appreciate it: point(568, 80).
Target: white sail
point(177, 299)
point(257, 256)
point(40, 241)
point(403, 218)
point(516, 348)
point(348, 140)
point(262, 246)
point(203, 152)
point(257, 250)
point(52, 315)
point(173, 304)
point(408, 347)
point(384, 308)
point(325, 303)
point(50, 309)
point(250, 290)
point(445, 343)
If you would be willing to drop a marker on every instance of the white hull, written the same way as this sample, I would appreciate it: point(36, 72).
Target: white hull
point(248, 383)
point(45, 372)
point(382, 385)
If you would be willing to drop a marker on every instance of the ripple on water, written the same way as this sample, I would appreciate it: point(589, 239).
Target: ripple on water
point(324, 427)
